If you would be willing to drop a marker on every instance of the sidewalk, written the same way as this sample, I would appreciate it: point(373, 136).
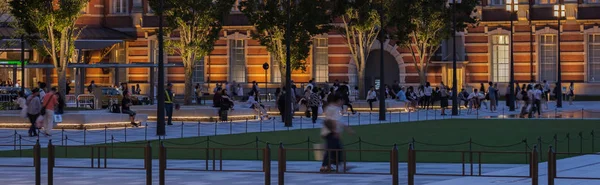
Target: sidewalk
point(62, 176)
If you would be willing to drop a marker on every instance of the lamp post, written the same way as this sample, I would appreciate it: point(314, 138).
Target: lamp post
point(454, 78)
point(22, 64)
point(160, 115)
point(266, 67)
point(559, 12)
point(288, 71)
point(532, 79)
point(381, 67)
point(511, 8)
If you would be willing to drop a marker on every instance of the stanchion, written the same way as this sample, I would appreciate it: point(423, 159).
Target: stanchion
point(20, 146)
point(37, 162)
point(274, 123)
point(394, 165)
point(581, 113)
point(51, 163)
point(348, 119)
point(246, 125)
point(434, 114)
point(568, 144)
point(66, 144)
point(162, 163)
point(534, 166)
point(308, 148)
point(148, 163)
point(359, 119)
point(555, 141)
point(592, 133)
point(418, 115)
point(411, 164)
point(267, 164)
point(256, 146)
point(84, 135)
point(390, 116)
point(261, 124)
point(360, 149)
point(408, 115)
point(112, 144)
point(540, 144)
point(370, 113)
point(281, 163)
point(105, 139)
point(146, 132)
point(181, 135)
point(15, 140)
point(230, 126)
point(125, 133)
point(198, 128)
point(555, 113)
point(580, 143)
point(62, 136)
point(215, 127)
point(551, 166)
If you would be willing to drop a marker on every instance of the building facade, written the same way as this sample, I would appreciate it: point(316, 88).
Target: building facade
point(119, 44)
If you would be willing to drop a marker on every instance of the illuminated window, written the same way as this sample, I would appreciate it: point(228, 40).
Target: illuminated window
point(593, 58)
point(320, 60)
point(547, 1)
point(198, 73)
point(548, 57)
point(119, 6)
point(500, 58)
point(237, 60)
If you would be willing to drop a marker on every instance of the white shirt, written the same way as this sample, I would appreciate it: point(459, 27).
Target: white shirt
point(371, 95)
point(428, 91)
point(251, 101)
point(537, 94)
point(332, 112)
point(472, 95)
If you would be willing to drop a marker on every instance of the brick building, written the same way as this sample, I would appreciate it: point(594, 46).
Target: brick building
point(119, 45)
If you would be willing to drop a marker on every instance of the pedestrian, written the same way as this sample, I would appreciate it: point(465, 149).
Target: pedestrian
point(91, 87)
point(22, 102)
point(546, 94)
point(314, 103)
point(226, 104)
point(198, 93)
point(169, 100)
point(427, 91)
point(492, 96)
point(42, 86)
point(240, 91)
point(371, 97)
point(557, 93)
point(50, 102)
point(34, 107)
point(68, 86)
point(571, 93)
point(281, 105)
point(125, 107)
point(527, 95)
point(537, 99)
point(444, 98)
point(411, 97)
point(260, 108)
point(331, 132)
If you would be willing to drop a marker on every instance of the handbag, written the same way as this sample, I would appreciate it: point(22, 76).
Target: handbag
point(58, 118)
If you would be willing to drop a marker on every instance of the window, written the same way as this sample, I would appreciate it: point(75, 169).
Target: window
point(237, 60)
point(198, 73)
point(500, 58)
point(547, 1)
point(275, 72)
point(119, 6)
point(593, 57)
point(548, 57)
point(497, 2)
point(118, 54)
point(320, 60)
point(448, 49)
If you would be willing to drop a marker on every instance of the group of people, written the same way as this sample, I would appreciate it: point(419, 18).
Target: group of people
point(424, 97)
point(10, 83)
point(43, 109)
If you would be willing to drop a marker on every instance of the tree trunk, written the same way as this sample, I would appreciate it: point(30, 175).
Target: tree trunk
point(283, 79)
point(361, 83)
point(422, 77)
point(188, 96)
point(62, 81)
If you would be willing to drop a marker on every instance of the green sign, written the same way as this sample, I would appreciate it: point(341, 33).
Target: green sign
point(12, 62)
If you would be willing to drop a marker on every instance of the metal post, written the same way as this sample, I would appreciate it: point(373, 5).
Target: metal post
point(580, 143)
point(50, 163)
point(181, 129)
point(160, 115)
point(162, 163)
point(511, 99)
point(551, 166)
point(395, 180)
point(288, 69)
point(146, 132)
point(267, 164)
point(534, 166)
point(281, 163)
point(84, 135)
point(148, 159)
point(558, 67)
point(22, 64)
point(37, 162)
point(381, 68)
point(410, 166)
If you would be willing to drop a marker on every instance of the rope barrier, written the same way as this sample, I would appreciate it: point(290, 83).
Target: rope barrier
point(219, 143)
point(184, 144)
point(377, 144)
point(8, 136)
point(432, 144)
point(499, 146)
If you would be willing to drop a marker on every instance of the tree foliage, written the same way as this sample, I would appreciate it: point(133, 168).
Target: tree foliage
point(271, 17)
point(361, 24)
point(51, 28)
point(198, 23)
point(422, 25)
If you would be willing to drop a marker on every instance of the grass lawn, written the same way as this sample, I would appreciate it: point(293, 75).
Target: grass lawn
point(486, 135)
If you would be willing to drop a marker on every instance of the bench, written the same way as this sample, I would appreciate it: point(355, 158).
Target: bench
point(76, 120)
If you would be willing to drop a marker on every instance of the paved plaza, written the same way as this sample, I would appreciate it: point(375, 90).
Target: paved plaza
point(582, 165)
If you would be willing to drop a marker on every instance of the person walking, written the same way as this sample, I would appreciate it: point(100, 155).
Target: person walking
point(50, 101)
point(22, 102)
point(281, 105)
point(314, 102)
point(371, 97)
point(169, 99)
point(226, 104)
point(331, 132)
point(537, 99)
point(571, 93)
point(34, 107)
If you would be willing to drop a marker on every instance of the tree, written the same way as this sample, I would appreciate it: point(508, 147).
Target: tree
point(198, 23)
point(360, 27)
point(53, 24)
point(424, 24)
point(270, 19)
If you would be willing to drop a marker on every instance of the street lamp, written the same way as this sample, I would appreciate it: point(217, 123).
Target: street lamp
point(559, 12)
point(266, 68)
point(288, 72)
point(381, 67)
point(160, 115)
point(510, 7)
point(454, 78)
